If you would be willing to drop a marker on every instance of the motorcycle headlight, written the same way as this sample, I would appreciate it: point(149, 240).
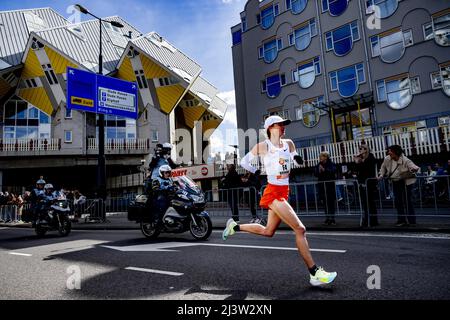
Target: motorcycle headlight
point(198, 199)
point(183, 196)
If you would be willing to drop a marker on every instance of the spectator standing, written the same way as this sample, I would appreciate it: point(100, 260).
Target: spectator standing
point(251, 181)
point(401, 171)
point(325, 171)
point(366, 170)
point(232, 182)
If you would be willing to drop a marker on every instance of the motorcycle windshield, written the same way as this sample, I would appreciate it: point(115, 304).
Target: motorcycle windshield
point(187, 184)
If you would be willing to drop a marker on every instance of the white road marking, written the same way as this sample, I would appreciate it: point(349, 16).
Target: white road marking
point(438, 236)
point(270, 248)
point(20, 254)
point(62, 247)
point(169, 273)
point(381, 235)
point(168, 246)
point(4, 228)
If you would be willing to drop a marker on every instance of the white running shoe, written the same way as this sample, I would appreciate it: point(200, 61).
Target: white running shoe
point(229, 229)
point(322, 277)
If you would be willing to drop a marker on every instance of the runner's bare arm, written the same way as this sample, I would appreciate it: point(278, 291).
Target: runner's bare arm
point(259, 150)
point(293, 152)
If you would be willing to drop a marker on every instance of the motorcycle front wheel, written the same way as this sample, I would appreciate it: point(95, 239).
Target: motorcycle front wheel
point(149, 230)
point(66, 227)
point(203, 229)
point(40, 231)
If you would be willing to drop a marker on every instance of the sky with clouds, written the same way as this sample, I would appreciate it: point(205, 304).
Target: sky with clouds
point(199, 28)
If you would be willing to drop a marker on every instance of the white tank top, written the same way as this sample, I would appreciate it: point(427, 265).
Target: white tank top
point(277, 163)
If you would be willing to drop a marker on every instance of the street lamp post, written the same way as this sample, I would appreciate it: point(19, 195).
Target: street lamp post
point(101, 166)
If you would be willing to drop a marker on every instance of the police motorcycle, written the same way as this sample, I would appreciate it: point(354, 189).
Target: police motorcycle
point(186, 212)
point(53, 214)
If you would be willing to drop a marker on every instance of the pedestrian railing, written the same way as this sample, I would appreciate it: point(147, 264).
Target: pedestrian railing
point(233, 202)
point(12, 213)
point(427, 197)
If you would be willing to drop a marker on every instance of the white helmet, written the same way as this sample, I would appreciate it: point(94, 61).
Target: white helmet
point(48, 186)
point(167, 146)
point(164, 168)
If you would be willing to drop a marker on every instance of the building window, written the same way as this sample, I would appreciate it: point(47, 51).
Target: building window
point(244, 24)
point(118, 127)
point(302, 36)
point(346, 81)
point(190, 103)
point(436, 80)
point(441, 28)
point(334, 7)
point(267, 16)
point(68, 136)
point(398, 92)
point(445, 78)
point(24, 121)
point(341, 40)
point(309, 111)
point(36, 45)
point(444, 121)
point(237, 37)
point(155, 136)
point(282, 113)
point(50, 74)
point(428, 33)
point(272, 85)
point(306, 72)
point(78, 31)
point(390, 47)
point(141, 80)
point(269, 50)
point(68, 114)
point(386, 7)
point(31, 83)
point(296, 6)
point(167, 81)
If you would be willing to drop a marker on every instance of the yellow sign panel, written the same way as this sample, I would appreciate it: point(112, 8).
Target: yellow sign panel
point(82, 102)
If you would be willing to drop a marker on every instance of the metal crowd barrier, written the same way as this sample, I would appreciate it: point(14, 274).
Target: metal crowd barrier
point(240, 202)
point(12, 213)
point(428, 197)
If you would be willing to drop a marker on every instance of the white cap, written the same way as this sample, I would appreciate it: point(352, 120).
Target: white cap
point(275, 119)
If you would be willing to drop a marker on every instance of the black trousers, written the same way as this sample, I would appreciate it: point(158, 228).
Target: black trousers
point(368, 193)
point(252, 201)
point(403, 202)
point(327, 193)
point(233, 202)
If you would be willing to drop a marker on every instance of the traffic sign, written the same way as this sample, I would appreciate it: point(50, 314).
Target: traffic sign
point(90, 92)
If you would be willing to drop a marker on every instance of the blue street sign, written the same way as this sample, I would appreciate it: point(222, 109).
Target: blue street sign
point(90, 92)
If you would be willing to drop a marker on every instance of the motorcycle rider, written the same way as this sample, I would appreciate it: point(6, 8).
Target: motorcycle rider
point(36, 196)
point(161, 186)
point(161, 157)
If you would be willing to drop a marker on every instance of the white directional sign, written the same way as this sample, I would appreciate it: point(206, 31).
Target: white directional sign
point(117, 100)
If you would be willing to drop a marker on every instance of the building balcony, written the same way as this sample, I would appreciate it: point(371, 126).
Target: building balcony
point(120, 146)
point(29, 147)
point(55, 147)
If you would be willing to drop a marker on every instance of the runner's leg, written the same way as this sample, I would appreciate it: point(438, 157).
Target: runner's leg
point(285, 212)
point(268, 231)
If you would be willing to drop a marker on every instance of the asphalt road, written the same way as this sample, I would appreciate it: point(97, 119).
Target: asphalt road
point(121, 264)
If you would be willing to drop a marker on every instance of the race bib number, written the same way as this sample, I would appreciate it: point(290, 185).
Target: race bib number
point(279, 169)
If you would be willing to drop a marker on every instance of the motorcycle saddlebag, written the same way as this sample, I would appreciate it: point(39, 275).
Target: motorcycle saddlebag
point(137, 209)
